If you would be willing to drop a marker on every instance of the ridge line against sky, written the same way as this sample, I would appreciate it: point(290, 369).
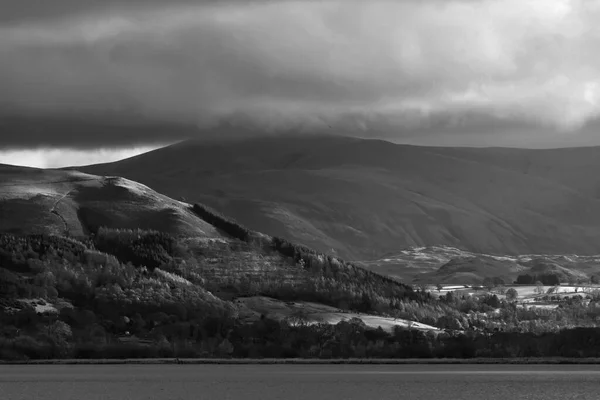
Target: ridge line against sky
point(59, 158)
point(521, 73)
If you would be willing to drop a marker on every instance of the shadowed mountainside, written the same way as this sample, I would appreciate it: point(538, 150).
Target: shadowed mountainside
point(365, 198)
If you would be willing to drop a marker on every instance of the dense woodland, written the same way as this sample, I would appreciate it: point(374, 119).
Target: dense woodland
point(134, 293)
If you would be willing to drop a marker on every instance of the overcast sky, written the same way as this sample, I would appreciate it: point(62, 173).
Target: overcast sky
point(450, 72)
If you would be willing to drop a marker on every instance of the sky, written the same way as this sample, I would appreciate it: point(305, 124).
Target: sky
point(518, 73)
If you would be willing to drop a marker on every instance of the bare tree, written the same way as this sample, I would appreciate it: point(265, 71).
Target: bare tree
point(539, 287)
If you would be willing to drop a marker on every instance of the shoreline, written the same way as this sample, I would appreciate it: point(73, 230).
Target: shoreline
point(296, 361)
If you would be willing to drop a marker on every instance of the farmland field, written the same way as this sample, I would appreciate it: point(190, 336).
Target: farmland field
point(526, 293)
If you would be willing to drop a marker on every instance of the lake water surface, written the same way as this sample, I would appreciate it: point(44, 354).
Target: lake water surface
point(299, 382)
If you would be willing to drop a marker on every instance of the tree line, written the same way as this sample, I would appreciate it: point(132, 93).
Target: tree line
point(173, 295)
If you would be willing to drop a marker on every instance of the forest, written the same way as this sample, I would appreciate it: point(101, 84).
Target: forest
point(135, 293)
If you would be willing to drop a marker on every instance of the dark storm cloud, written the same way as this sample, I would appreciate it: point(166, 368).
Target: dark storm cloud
point(388, 68)
point(87, 133)
point(29, 10)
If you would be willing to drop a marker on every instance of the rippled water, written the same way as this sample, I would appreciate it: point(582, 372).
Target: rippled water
point(291, 382)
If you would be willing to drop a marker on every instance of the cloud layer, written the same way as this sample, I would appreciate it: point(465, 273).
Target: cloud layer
point(65, 157)
point(407, 66)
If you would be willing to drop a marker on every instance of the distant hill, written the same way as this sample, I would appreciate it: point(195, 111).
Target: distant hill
point(473, 270)
point(73, 203)
point(363, 199)
point(448, 265)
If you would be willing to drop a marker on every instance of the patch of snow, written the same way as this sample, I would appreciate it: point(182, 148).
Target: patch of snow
point(372, 321)
point(422, 257)
point(40, 308)
point(504, 258)
point(320, 313)
point(132, 186)
point(212, 240)
point(540, 306)
point(447, 252)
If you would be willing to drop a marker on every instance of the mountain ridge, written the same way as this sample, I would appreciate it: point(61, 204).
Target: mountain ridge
point(365, 197)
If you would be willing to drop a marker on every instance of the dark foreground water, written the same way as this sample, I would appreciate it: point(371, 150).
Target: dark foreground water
point(302, 382)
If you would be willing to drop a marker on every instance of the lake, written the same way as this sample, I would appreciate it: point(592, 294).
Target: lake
point(301, 382)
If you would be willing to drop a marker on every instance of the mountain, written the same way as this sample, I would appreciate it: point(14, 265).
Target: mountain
point(363, 198)
point(195, 283)
point(76, 204)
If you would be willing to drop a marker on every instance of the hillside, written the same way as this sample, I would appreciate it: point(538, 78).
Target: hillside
point(367, 198)
point(73, 203)
point(189, 280)
point(70, 204)
point(448, 265)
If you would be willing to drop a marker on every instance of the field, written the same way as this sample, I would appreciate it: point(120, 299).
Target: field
point(542, 296)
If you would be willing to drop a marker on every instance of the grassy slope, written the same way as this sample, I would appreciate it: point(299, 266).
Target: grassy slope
point(364, 198)
point(55, 202)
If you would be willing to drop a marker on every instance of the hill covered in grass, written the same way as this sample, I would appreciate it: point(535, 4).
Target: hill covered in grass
point(363, 199)
point(76, 204)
